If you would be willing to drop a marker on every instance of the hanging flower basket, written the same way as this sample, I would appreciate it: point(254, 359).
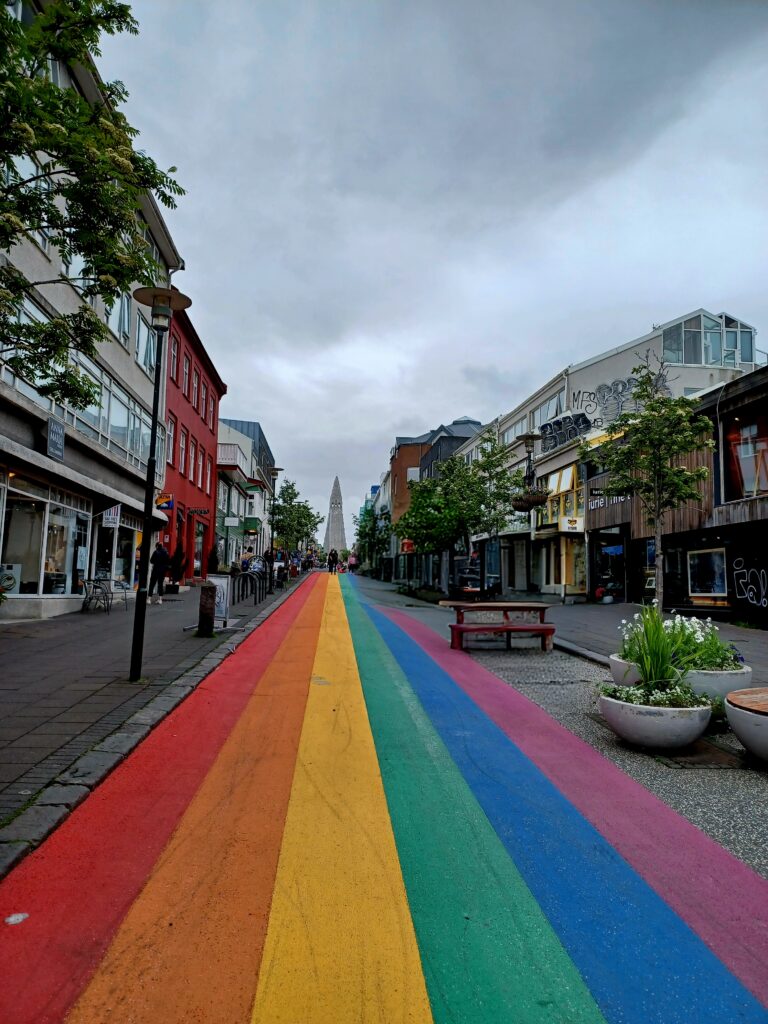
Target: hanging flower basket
point(529, 500)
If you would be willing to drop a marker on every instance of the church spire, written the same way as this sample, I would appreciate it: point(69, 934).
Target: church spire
point(334, 531)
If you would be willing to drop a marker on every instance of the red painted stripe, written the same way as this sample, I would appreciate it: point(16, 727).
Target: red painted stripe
point(79, 885)
point(718, 896)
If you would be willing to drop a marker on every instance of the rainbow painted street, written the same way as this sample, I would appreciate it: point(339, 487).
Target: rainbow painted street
point(349, 822)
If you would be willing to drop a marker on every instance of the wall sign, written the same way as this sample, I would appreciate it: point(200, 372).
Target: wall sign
point(231, 521)
point(56, 435)
point(164, 501)
point(198, 512)
point(571, 524)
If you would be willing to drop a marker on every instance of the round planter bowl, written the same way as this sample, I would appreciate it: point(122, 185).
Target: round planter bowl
point(625, 673)
point(719, 683)
point(751, 729)
point(654, 727)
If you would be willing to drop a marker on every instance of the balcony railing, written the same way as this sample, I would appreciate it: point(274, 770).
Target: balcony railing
point(233, 456)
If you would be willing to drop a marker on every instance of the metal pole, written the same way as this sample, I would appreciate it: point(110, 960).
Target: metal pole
point(271, 589)
point(140, 614)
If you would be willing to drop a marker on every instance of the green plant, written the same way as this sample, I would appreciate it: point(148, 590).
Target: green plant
point(693, 644)
point(663, 653)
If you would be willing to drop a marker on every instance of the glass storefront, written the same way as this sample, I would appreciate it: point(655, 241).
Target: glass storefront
point(44, 540)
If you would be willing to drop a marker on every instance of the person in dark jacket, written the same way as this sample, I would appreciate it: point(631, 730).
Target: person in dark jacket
point(159, 561)
point(333, 560)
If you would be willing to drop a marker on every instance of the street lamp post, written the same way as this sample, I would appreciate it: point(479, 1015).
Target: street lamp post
point(529, 440)
point(274, 474)
point(163, 302)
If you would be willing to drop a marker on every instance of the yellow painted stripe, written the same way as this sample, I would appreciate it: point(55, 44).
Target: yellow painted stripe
point(340, 943)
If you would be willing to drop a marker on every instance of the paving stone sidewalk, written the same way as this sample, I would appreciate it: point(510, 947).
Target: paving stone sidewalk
point(68, 714)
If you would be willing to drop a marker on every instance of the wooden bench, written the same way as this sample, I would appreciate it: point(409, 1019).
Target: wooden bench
point(458, 629)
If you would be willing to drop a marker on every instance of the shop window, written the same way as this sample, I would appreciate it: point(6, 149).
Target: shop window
point(706, 573)
point(66, 551)
point(746, 457)
point(22, 545)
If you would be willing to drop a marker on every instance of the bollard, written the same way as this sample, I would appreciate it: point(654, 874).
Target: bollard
point(207, 610)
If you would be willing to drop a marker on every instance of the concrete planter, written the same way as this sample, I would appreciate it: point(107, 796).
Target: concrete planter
point(751, 728)
point(654, 727)
point(625, 673)
point(719, 683)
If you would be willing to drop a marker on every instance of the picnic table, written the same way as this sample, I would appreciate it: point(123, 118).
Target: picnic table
point(510, 623)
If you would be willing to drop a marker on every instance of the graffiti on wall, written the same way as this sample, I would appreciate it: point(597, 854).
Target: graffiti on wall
point(562, 430)
point(750, 585)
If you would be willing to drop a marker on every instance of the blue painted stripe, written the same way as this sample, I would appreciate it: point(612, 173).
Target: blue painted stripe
point(642, 962)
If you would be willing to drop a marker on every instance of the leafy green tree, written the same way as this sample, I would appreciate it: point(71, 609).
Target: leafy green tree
point(72, 181)
point(372, 533)
point(293, 521)
point(646, 451)
point(464, 499)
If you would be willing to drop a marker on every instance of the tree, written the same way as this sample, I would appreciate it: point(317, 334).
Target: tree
point(71, 181)
point(646, 450)
point(464, 499)
point(293, 521)
point(372, 532)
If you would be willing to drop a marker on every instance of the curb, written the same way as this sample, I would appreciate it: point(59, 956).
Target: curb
point(54, 803)
point(581, 652)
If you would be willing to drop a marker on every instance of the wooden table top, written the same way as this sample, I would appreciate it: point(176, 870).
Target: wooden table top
point(500, 606)
point(755, 699)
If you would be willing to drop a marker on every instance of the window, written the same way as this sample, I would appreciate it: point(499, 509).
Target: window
point(200, 460)
point(185, 378)
point(673, 344)
point(211, 411)
point(203, 399)
point(195, 389)
point(513, 432)
point(706, 573)
point(747, 348)
point(208, 473)
point(173, 359)
point(549, 409)
point(171, 446)
point(119, 318)
point(192, 457)
point(692, 347)
point(145, 345)
point(222, 496)
point(746, 456)
point(183, 452)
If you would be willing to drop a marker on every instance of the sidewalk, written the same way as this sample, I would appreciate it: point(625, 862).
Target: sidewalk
point(64, 685)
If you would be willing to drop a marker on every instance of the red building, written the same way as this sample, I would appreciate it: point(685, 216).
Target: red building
point(193, 392)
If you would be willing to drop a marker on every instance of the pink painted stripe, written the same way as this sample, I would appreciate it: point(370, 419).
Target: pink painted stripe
point(719, 897)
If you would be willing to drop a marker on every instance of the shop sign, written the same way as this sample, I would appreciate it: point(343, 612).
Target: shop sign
point(164, 501)
point(198, 512)
point(223, 584)
point(111, 518)
point(597, 492)
point(603, 502)
point(571, 524)
point(231, 521)
point(56, 434)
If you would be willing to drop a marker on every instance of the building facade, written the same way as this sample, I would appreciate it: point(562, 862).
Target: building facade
point(261, 484)
point(194, 391)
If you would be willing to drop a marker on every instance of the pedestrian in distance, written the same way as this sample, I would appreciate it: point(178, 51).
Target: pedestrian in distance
point(159, 561)
point(333, 560)
point(247, 557)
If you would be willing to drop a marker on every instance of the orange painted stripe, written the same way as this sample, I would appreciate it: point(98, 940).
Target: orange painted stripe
point(189, 948)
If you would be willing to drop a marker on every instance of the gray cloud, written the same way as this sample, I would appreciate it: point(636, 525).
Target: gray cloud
point(384, 195)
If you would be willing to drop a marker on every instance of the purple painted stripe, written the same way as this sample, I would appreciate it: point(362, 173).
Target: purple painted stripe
point(719, 897)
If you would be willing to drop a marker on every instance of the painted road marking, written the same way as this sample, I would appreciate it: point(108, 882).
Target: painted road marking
point(190, 947)
point(340, 946)
point(79, 884)
point(489, 953)
point(609, 920)
point(705, 886)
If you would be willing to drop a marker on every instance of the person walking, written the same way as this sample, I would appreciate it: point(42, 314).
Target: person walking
point(160, 561)
point(333, 560)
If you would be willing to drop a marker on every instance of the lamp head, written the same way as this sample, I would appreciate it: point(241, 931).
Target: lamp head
point(163, 302)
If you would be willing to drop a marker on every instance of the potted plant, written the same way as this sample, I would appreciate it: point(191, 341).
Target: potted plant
point(712, 666)
point(655, 706)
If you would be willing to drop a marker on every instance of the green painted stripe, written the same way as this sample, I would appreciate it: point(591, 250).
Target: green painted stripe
point(488, 952)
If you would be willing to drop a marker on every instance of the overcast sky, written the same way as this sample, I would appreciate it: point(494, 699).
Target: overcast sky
point(406, 211)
